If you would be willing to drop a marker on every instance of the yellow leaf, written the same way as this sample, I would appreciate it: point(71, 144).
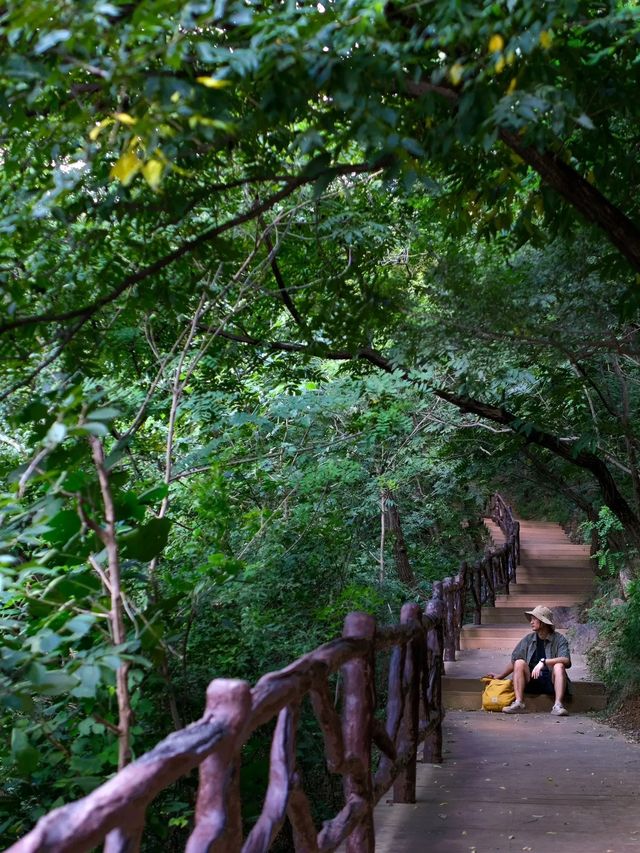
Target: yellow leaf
point(125, 118)
point(500, 63)
point(213, 82)
point(455, 73)
point(126, 168)
point(95, 131)
point(175, 97)
point(512, 86)
point(197, 119)
point(496, 43)
point(152, 172)
point(545, 39)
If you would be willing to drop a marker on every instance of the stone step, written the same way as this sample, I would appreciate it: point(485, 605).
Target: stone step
point(549, 599)
point(571, 560)
point(505, 616)
point(561, 546)
point(494, 636)
point(562, 587)
point(556, 562)
point(511, 632)
point(554, 572)
point(465, 694)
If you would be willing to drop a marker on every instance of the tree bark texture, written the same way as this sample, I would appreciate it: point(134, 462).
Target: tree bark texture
point(108, 536)
point(393, 525)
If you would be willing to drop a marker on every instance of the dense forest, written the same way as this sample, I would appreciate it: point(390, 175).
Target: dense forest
point(287, 290)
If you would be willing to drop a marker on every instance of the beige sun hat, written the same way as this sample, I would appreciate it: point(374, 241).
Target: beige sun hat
point(544, 614)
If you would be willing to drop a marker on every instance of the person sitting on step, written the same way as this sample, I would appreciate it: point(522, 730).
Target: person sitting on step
point(539, 663)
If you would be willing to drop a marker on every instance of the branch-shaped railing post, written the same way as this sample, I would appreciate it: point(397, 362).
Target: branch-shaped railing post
point(476, 581)
point(357, 726)
point(124, 840)
point(450, 622)
point(459, 605)
point(404, 788)
point(218, 826)
point(432, 673)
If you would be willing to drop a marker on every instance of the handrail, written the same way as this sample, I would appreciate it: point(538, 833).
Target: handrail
point(476, 586)
point(115, 812)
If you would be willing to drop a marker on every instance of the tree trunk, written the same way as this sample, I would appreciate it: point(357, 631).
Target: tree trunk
point(394, 527)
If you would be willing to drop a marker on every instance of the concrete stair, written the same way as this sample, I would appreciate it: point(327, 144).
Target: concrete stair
point(552, 571)
point(465, 694)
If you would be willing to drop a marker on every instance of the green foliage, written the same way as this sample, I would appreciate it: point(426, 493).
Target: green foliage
point(609, 562)
point(615, 656)
point(242, 245)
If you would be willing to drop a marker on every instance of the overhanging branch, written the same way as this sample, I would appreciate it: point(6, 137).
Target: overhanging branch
point(187, 247)
point(563, 178)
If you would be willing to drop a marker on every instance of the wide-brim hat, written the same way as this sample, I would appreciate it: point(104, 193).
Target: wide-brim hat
point(544, 614)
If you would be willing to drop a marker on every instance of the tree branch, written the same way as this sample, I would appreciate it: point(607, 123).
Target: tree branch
point(564, 179)
point(570, 451)
point(108, 536)
point(189, 246)
point(565, 449)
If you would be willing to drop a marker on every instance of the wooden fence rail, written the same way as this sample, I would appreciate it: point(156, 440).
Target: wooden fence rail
point(115, 812)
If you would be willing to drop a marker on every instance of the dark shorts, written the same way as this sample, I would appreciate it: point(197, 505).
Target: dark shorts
point(542, 684)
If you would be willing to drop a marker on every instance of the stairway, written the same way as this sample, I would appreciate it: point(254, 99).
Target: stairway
point(552, 571)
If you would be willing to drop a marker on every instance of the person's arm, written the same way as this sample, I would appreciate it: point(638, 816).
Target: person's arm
point(562, 653)
point(549, 662)
point(560, 646)
point(507, 672)
point(552, 661)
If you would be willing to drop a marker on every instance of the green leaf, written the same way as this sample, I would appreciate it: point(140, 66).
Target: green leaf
point(50, 39)
point(25, 756)
point(147, 541)
point(44, 641)
point(50, 682)
point(56, 433)
point(584, 121)
point(95, 428)
point(89, 675)
point(107, 413)
point(81, 624)
point(74, 585)
point(62, 527)
point(154, 495)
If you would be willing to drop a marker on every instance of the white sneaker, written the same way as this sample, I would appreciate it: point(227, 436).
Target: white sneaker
point(558, 710)
point(516, 707)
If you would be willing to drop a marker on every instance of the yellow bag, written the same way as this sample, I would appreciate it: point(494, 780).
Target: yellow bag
point(497, 694)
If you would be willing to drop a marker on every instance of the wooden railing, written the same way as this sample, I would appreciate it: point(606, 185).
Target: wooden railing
point(476, 585)
point(115, 812)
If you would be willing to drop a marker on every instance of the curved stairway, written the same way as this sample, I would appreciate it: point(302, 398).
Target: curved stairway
point(552, 571)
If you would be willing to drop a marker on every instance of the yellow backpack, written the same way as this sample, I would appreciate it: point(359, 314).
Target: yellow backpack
point(497, 694)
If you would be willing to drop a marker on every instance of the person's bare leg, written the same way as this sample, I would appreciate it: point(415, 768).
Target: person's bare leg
point(521, 676)
point(559, 677)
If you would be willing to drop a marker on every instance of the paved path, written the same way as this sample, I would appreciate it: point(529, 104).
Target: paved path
point(531, 782)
